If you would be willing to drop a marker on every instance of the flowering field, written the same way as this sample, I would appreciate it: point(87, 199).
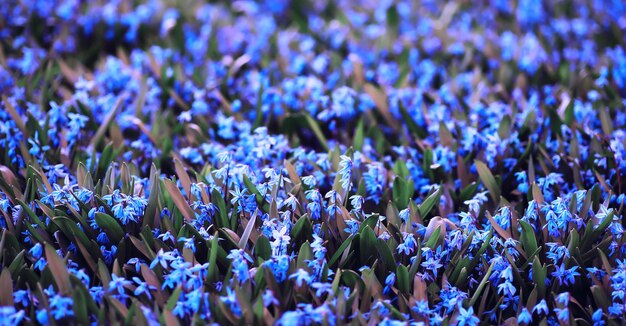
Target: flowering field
point(312, 162)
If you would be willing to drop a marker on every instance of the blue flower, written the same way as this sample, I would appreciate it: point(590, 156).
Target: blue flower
point(389, 282)
point(565, 276)
point(408, 245)
point(292, 318)
point(541, 307)
point(563, 298)
point(334, 200)
point(321, 288)
point(281, 240)
point(239, 262)
point(237, 195)
point(231, 300)
point(562, 314)
point(556, 252)
point(269, 299)
point(167, 236)
point(9, 316)
point(345, 170)
point(374, 179)
point(279, 266)
point(40, 264)
point(143, 288)
point(189, 243)
point(118, 283)
point(36, 250)
point(301, 276)
point(60, 306)
point(42, 316)
point(432, 265)
point(421, 308)
point(466, 317)
point(21, 297)
point(597, 318)
point(356, 201)
point(291, 202)
point(162, 258)
point(525, 317)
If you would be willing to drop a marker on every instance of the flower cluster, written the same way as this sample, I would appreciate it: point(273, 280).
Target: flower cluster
point(312, 162)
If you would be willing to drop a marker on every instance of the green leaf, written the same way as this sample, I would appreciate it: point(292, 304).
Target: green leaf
point(468, 192)
point(539, 277)
point(263, 248)
point(31, 214)
point(488, 180)
point(304, 255)
point(80, 305)
point(445, 135)
point(246, 233)
point(593, 233)
point(259, 308)
point(339, 252)
point(505, 127)
point(528, 237)
point(152, 209)
point(393, 18)
point(400, 169)
point(17, 264)
point(110, 225)
point(131, 313)
point(173, 299)
point(183, 176)
point(434, 238)
point(301, 228)
point(601, 297)
point(400, 193)
point(258, 119)
point(317, 131)
point(414, 129)
point(253, 189)
point(429, 203)
point(481, 251)
point(606, 221)
point(59, 270)
point(6, 288)
point(573, 241)
point(218, 200)
point(481, 286)
point(386, 254)
point(460, 258)
point(370, 221)
point(605, 121)
point(569, 116)
point(537, 194)
point(179, 200)
point(358, 136)
point(367, 245)
point(402, 276)
point(84, 244)
point(351, 279)
point(103, 164)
